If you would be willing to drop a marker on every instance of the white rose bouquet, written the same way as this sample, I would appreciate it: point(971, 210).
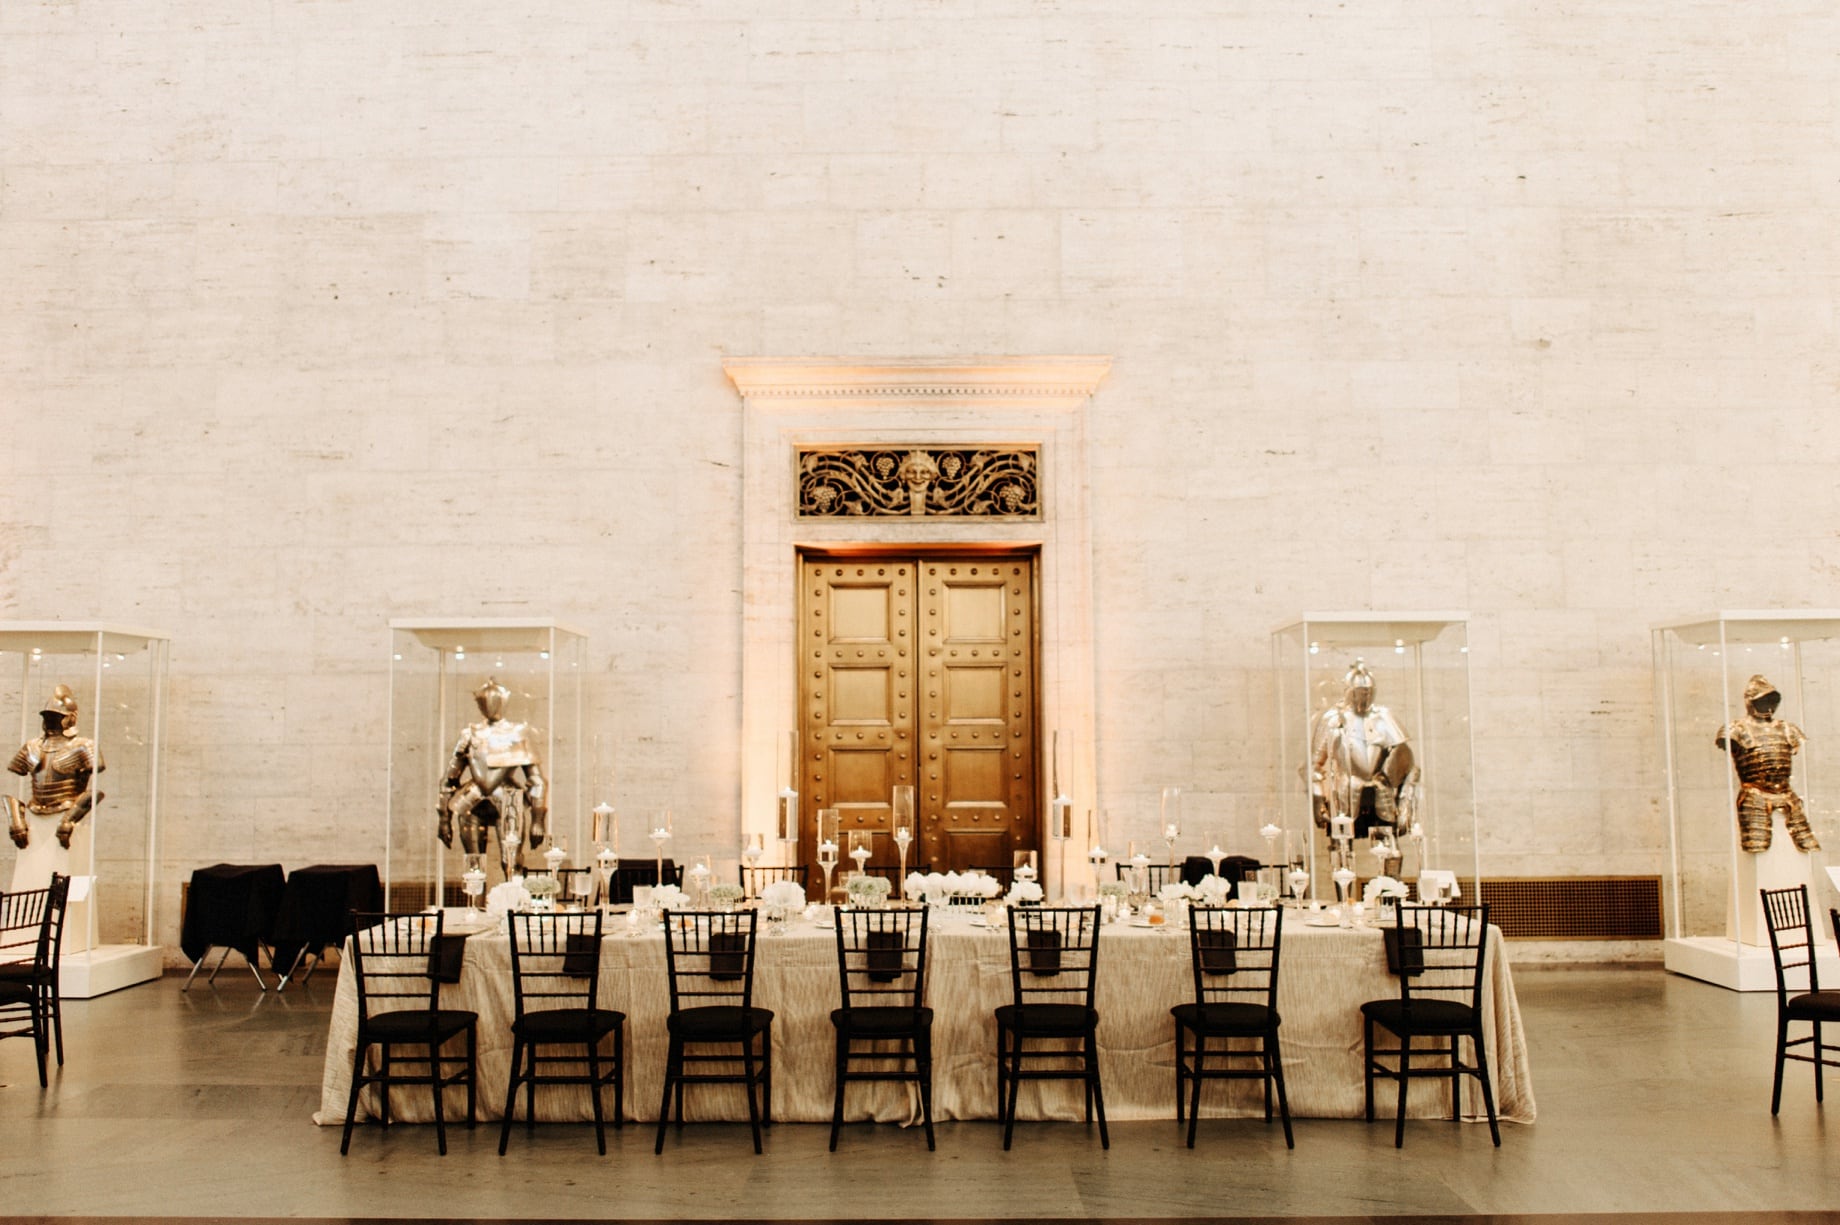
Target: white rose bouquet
point(507, 898)
point(782, 899)
point(1023, 892)
point(1213, 891)
point(669, 897)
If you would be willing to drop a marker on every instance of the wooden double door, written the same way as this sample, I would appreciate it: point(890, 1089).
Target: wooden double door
point(920, 670)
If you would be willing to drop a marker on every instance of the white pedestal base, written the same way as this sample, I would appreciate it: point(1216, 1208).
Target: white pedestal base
point(110, 967)
point(1738, 967)
point(1780, 867)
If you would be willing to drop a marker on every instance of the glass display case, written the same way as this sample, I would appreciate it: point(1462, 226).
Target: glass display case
point(436, 670)
point(116, 676)
point(1366, 699)
point(1759, 813)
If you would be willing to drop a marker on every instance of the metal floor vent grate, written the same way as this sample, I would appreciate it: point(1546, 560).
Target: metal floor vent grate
point(1575, 907)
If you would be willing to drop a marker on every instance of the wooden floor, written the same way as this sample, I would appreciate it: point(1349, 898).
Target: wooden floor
point(1653, 1091)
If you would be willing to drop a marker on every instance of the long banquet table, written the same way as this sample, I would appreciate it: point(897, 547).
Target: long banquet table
point(1326, 975)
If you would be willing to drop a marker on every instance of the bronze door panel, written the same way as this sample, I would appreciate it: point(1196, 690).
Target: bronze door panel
point(977, 799)
point(970, 709)
point(855, 695)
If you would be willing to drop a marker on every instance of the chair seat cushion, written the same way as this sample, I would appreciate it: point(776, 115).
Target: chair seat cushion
point(882, 1020)
point(17, 992)
point(1048, 1020)
point(415, 1024)
point(1423, 1016)
point(1815, 1006)
point(1226, 1018)
point(718, 1023)
point(567, 1025)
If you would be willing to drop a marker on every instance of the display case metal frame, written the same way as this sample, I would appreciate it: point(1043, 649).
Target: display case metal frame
point(119, 675)
point(1702, 663)
point(434, 667)
point(1420, 662)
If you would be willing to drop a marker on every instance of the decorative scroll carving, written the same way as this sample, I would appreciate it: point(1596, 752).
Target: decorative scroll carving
point(935, 482)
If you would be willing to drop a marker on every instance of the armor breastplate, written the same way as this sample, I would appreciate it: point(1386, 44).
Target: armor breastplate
point(1763, 753)
point(59, 767)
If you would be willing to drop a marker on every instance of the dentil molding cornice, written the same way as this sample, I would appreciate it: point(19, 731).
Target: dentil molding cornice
point(1008, 378)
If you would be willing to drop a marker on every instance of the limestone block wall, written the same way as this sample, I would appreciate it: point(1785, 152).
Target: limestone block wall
point(314, 314)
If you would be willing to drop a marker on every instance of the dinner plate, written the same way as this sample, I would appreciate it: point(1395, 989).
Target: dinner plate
point(1325, 920)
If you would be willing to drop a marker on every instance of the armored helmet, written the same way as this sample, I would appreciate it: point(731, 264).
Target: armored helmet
point(62, 702)
point(491, 697)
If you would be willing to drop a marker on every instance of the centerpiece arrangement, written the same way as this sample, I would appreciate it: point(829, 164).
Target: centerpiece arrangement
point(938, 888)
point(868, 892)
point(543, 891)
point(779, 901)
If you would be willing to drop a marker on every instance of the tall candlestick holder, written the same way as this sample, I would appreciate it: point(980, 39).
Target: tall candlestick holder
point(901, 810)
point(660, 836)
point(1170, 818)
point(828, 848)
point(606, 834)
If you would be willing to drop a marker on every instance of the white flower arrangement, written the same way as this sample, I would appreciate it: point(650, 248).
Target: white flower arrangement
point(782, 899)
point(725, 894)
point(973, 884)
point(1383, 886)
point(1177, 891)
point(866, 890)
point(1115, 889)
point(669, 897)
point(507, 898)
point(1213, 891)
point(1023, 891)
point(936, 887)
point(542, 886)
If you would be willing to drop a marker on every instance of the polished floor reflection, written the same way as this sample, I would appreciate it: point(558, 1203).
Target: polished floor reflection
point(1654, 1099)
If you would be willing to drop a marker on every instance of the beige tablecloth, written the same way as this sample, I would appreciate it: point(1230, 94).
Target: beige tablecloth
point(1327, 974)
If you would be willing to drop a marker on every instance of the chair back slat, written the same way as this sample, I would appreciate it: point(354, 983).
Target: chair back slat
point(555, 960)
point(754, 879)
point(881, 957)
point(1234, 954)
point(1156, 875)
point(1440, 952)
point(22, 924)
point(1054, 954)
point(395, 961)
point(709, 957)
point(1785, 912)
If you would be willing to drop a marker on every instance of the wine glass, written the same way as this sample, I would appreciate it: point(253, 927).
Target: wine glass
point(1137, 877)
point(473, 881)
point(1170, 818)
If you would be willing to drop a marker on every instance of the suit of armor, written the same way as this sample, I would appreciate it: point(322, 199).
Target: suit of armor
point(494, 775)
point(1360, 761)
point(60, 766)
point(1762, 750)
